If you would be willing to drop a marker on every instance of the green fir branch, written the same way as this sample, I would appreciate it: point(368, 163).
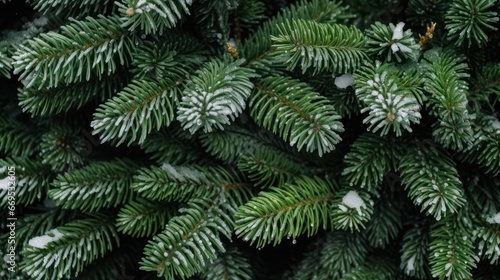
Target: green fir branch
point(66, 250)
point(429, 175)
point(98, 185)
point(215, 96)
point(190, 240)
point(152, 16)
point(333, 256)
point(142, 217)
point(232, 264)
point(296, 113)
point(469, 20)
point(324, 47)
point(31, 180)
point(289, 210)
point(78, 51)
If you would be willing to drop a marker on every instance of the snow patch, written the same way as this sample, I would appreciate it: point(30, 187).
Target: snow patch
point(410, 265)
point(353, 200)
point(398, 31)
point(41, 21)
point(42, 241)
point(495, 219)
point(496, 124)
point(344, 81)
point(4, 183)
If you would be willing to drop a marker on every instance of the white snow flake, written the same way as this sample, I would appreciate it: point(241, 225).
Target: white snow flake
point(344, 81)
point(353, 200)
point(495, 219)
point(4, 183)
point(42, 241)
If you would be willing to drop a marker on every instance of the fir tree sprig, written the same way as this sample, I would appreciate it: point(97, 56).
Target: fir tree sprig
point(95, 186)
point(390, 101)
point(470, 19)
point(333, 256)
point(152, 16)
point(429, 175)
point(215, 96)
point(296, 113)
point(75, 53)
point(324, 47)
point(388, 41)
point(143, 217)
point(369, 159)
point(448, 101)
point(32, 180)
point(231, 264)
point(58, 253)
point(269, 217)
point(190, 240)
point(453, 257)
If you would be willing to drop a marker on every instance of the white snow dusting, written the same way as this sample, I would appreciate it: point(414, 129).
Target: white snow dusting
point(353, 200)
point(398, 31)
point(4, 183)
point(42, 241)
point(496, 124)
point(410, 265)
point(495, 219)
point(41, 21)
point(344, 81)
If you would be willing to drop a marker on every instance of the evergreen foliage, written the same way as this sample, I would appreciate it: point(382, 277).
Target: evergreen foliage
point(311, 139)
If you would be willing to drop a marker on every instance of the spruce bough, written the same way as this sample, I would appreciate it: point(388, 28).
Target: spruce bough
point(170, 139)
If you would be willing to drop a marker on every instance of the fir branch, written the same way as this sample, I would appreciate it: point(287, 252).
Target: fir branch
point(485, 150)
point(66, 97)
point(374, 268)
point(74, 54)
point(351, 209)
point(269, 169)
point(234, 142)
point(258, 45)
point(429, 175)
point(333, 256)
point(18, 138)
point(324, 47)
point(452, 253)
point(63, 148)
point(387, 41)
point(140, 107)
point(152, 16)
point(369, 159)
point(290, 210)
point(142, 217)
point(469, 19)
point(488, 235)
point(98, 185)
point(296, 113)
point(386, 221)
point(181, 183)
point(485, 87)
point(388, 98)
point(70, 8)
point(172, 145)
point(189, 241)
point(59, 253)
point(445, 81)
point(414, 252)
point(31, 182)
point(231, 264)
point(157, 59)
point(215, 96)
